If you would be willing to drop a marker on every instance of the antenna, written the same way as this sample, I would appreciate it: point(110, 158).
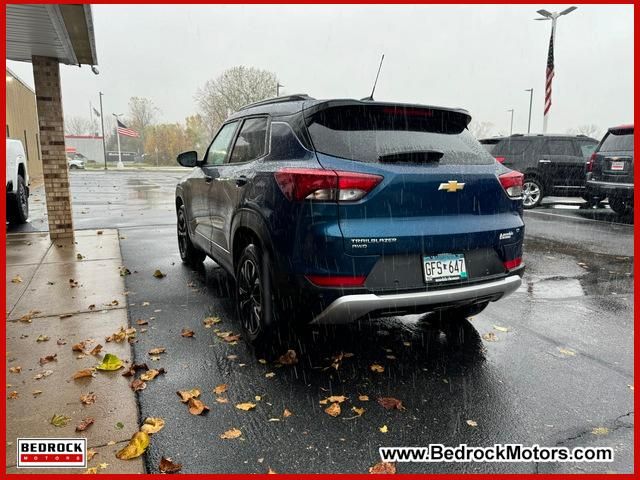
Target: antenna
point(370, 97)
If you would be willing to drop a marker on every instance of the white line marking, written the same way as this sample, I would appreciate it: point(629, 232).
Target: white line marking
point(582, 219)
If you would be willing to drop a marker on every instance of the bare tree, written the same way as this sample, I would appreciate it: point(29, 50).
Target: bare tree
point(142, 113)
point(590, 130)
point(480, 129)
point(77, 126)
point(234, 88)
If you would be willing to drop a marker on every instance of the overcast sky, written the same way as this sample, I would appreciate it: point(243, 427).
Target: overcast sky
point(481, 58)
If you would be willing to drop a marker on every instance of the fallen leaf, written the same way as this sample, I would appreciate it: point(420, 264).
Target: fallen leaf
point(103, 465)
point(630, 387)
point(119, 425)
point(79, 256)
point(110, 362)
point(270, 375)
point(384, 429)
point(501, 329)
point(600, 431)
point(16, 369)
point(91, 453)
point(86, 423)
point(36, 392)
point(220, 389)
point(44, 374)
point(48, 358)
point(42, 338)
point(246, 406)
point(377, 368)
point(333, 409)
point(151, 374)
point(13, 395)
point(358, 411)
point(140, 321)
point(159, 274)
point(167, 466)
point(187, 333)
point(86, 372)
point(157, 351)
point(209, 321)
point(271, 471)
point(196, 407)
point(91, 470)
point(16, 279)
point(96, 350)
point(134, 368)
point(61, 341)
point(137, 385)
point(222, 400)
point(79, 347)
point(289, 358)
point(490, 337)
point(261, 360)
point(363, 398)
point(88, 398)
point(287, 413)
point(152, 425)
point(26, 318)
point(59, 420)
point(92, 306)
point(472, 423)
point(567, 352)
point(390, 403)
point(383, 467)
point(231, 434)
point(136, 447)
point(186, 395)
point(124, 271)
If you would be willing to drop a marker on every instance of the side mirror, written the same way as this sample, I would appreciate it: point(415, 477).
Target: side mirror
point(188, 159)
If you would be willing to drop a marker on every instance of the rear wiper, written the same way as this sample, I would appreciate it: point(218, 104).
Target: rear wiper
point(423, 156)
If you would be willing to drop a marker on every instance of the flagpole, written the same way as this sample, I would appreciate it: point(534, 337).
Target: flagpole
point(545, 119)
point(120, 164)
point(104, 145)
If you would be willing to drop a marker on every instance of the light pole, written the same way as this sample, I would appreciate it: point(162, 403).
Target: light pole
point(547, 15)
point(530, 90)
point(511, 128)
point(120, 164)
point(104, 145)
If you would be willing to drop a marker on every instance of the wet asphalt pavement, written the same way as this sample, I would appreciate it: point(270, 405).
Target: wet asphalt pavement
point(563, 368)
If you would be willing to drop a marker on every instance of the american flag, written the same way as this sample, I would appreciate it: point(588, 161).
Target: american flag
point(124, 130)
point(550, 73)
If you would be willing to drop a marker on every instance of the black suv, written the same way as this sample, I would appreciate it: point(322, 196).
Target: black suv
point(552, 164)
point(610, 170)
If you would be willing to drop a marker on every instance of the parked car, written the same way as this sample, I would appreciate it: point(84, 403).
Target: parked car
point(75, 163)
point(490, 143)
point(610, 169)
point(333, 211)
point(17, 182)
point(552, 164)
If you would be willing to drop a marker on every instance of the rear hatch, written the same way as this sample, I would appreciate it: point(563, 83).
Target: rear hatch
point(440, 192)
point(613, 161)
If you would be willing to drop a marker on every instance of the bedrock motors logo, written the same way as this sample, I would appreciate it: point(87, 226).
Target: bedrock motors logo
point(52, 452)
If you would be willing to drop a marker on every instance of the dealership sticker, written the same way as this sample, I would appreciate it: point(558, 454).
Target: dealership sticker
point(52, 452)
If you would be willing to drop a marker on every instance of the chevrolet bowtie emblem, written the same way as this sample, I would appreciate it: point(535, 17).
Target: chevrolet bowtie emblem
point(451, 186)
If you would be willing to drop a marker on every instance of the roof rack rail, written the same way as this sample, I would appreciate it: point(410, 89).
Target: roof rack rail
point(297, 97)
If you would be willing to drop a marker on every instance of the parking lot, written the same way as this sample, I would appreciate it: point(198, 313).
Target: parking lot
point(550, 365)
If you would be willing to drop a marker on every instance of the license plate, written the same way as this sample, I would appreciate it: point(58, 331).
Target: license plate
point(617, 166)
point(444, 268)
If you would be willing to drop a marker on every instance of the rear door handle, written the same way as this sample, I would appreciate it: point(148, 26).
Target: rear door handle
point(241, 180)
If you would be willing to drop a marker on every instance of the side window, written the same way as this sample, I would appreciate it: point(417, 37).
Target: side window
point(559, 147)
point(587, 148)
point(221, 144)
point(251, 142)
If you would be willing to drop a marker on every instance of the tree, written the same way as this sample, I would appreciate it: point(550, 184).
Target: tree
point(142, 113)
point(234, 88)
point(480, 129)
point(77, 126)
point(590, 130)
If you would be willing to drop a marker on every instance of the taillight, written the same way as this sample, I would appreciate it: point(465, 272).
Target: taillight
point(499, 159)
point(336, 281)
point(325, 185)
point(590, 163)
point(512, 183)
point(511, 264)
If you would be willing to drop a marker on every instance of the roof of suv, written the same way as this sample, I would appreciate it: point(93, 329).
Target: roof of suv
point(291, 104)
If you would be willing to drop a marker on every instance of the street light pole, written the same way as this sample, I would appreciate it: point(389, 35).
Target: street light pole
point(120, 164)
point(511, 128)
point(546, 15)
point(530, 90)
point(104, 145)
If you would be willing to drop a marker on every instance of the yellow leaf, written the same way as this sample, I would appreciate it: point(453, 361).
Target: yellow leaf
point(333, 409)
point(152, 425)
point(136, 447)
point(472, 423)
point(270, 375)
point(16, 279)
point(110, 362)
point(209, 321)
point(230, 434)
point(196, 407)
point(157, 351)
point(501, 329)
point(159, 274)
point(92, 470)
point(222, 400)
point(358, 411)
point(150, 375)
point(567, 352)
point(600, 431)
point(246, 406)
point(186, 395)
point(220, 389)
point(384, 429)
point(336, 398)
point(377, 368)
point(363, 398)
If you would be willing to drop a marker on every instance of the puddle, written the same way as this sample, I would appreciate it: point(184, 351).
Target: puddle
point(557, 288)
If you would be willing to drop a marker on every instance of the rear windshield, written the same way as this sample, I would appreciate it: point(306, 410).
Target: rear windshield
point(375, 134)
point(512, 146)
point(618, 141)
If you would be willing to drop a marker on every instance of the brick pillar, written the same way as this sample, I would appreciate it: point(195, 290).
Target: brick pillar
point(46, 76)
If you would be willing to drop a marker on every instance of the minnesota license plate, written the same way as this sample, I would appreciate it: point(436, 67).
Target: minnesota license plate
point(444, 268)
point(617, 166)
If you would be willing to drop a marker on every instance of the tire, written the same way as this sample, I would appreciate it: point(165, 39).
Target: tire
point(189, 253)
point(73, 167)
point(18, 205)
point(532, 192)
point(255, 302)
point(591, 200)
point(621, 206)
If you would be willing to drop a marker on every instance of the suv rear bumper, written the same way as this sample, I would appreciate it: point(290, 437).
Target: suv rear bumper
point(350, 308)
point(603, 189)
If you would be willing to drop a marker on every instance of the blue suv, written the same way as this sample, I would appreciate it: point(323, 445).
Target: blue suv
point(335, 211)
